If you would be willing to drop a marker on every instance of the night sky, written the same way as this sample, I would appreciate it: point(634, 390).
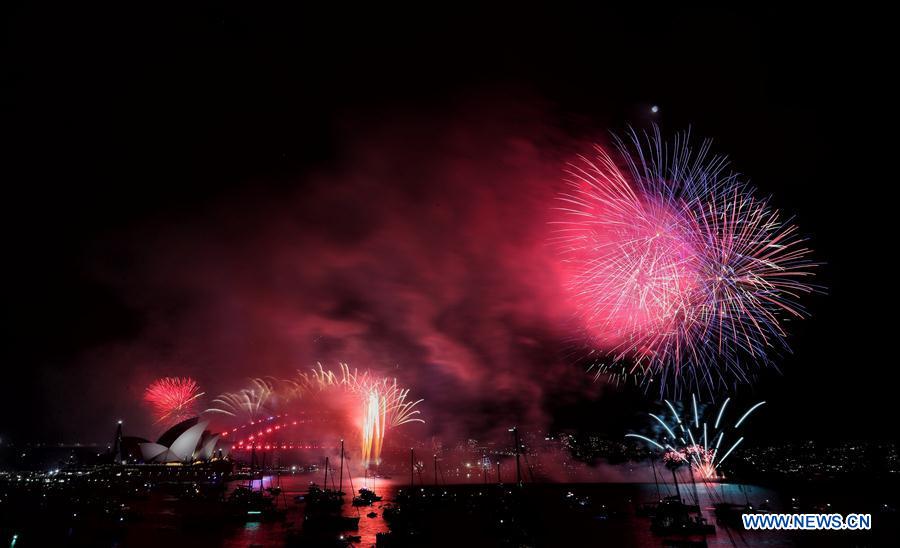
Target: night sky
point(220, 193)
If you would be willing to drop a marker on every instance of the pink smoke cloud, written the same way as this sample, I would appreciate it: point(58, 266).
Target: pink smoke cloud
point(421, 253)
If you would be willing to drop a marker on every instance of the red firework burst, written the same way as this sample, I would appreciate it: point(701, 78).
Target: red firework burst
point(173, 399)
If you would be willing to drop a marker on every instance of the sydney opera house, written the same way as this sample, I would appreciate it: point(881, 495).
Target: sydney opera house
point(187, 442)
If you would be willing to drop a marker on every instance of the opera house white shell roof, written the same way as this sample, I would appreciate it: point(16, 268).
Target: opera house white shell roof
point(187, 447)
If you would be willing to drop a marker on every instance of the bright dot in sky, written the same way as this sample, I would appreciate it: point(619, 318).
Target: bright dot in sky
point(654, 109)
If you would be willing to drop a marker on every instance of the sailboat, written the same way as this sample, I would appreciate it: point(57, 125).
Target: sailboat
point(249, 504)
point(674, 516)
point(323, 506)
point(366, 496)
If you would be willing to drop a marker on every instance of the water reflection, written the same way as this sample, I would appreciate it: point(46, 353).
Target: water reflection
point(608, 516)
point(294, 486)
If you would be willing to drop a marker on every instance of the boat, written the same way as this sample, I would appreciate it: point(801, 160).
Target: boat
point(323, 506)
point(675, 517)
point(249, 505)
point(317, 498)
point(366, 497)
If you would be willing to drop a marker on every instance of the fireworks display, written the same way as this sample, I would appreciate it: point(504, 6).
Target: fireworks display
point(173, 399)
point(374, 404)
point(680, 274)
point(694, 442)
point(380, 403)
point(249, 404)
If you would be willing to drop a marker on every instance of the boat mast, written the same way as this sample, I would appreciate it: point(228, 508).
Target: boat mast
point(694, 483)
point(341, 481)
point(655, 479)
point(515, 431)
point(252, 466)
point(677, 490)
point(262, 471)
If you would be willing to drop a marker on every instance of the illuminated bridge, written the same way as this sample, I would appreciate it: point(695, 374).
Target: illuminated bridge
point(278, 432)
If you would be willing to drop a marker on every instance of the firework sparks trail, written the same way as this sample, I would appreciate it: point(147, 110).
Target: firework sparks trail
point(384, 403)
point(679, 273)
point(173, 399)
point(250, 404)
point(704, 461)
point(380, 403)
point(372, 428)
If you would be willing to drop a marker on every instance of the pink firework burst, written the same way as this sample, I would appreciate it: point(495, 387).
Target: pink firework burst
point(173, 399)
point(701, 460)
point(636, 264)
point(679, 273)
point(673, 458)
point(698, 457)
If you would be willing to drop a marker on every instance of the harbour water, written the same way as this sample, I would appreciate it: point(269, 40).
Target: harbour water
point(551, 514)
point(607, 514)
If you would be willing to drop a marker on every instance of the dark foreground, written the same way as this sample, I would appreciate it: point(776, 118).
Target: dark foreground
point(457, 515)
